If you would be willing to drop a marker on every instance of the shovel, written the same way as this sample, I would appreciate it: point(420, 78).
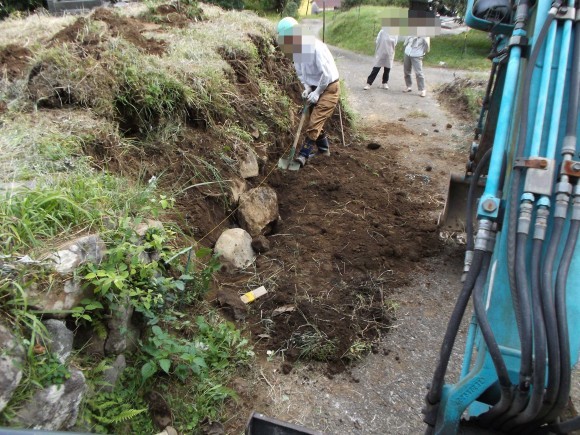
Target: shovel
point(289, 163)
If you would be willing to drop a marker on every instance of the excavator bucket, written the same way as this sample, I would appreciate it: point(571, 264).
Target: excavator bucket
point(259, 424)
point(453, 216)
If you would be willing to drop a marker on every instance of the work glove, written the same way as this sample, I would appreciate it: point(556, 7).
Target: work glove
point(305, 92)
point(313, 97)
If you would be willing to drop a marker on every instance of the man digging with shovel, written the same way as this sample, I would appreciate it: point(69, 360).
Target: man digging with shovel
point(318, 73)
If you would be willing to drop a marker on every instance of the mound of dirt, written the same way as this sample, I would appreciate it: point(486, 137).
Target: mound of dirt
point(454, 96)
point(14, 60)
point(352, 228)
point(125, 27)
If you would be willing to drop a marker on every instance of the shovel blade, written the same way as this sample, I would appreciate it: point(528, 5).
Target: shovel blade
point(288, 164)
point(283, 163)
point(294, 166)
point(453, 216)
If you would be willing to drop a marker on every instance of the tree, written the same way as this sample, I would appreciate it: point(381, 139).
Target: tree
point(9, 6)
point(290, 10)
point(228, 4)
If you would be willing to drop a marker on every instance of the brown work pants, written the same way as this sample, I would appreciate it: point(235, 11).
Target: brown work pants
point(322, 110)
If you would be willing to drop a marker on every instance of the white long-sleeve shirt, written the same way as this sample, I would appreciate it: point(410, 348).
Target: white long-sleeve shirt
point(417, 46)
point(315, 66)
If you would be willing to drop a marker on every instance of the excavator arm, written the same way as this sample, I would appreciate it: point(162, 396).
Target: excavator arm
point(522, 267)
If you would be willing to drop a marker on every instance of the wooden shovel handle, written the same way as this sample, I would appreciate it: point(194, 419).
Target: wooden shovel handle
point(300, 124)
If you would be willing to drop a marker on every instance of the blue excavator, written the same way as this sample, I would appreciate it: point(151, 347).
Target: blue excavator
point(522, 218)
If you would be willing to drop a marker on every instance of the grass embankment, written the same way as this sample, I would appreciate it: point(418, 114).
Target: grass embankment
point(356, 30)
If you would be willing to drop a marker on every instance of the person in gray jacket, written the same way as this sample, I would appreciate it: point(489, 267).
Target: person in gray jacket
point(416, 47)
point(384, 55)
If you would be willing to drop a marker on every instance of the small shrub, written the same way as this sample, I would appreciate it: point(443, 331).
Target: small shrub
point(122, 411)
point(149, 96)
point(215, 347)
point(127, 275)
point(290, 10)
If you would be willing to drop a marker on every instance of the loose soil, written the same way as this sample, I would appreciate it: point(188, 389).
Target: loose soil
point(128, 28)
point(13, 60)
point(345, 240)
point(354, 227)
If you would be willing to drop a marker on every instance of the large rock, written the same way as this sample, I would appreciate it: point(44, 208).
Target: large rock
point(235, 248)
point(55, 407)
point(65, 292)
point(60, 339)
point(84, 250)
point(122, 334)
point(112, 374)
point(11, 361)
point(258, 210)
point(248, 163)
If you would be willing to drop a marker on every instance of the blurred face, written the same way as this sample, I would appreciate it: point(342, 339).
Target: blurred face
point(298, 47)
point(290, 44)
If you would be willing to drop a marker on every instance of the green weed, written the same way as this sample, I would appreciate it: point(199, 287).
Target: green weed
point(474, 99)
point(349, 115)
point(148, 95)
point(223, 351)
point(217, 347)
point(40, 368)
point(315, 345)
point(30, 217)
point(127, 274)
point(65, 79)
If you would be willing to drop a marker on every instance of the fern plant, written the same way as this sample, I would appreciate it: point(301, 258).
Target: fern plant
point(120, 411)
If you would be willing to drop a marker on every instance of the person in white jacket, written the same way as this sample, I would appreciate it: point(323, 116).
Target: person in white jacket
point(416, 47)
point(384, 55)
point(318, 74)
